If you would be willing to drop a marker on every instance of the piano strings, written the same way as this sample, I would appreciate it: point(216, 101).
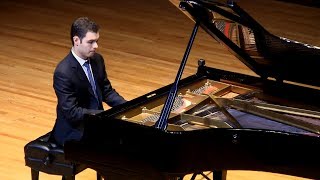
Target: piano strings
point(194, 109)
point(240, 35)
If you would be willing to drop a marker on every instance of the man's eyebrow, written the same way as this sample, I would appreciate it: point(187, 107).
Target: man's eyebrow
point(93, 39)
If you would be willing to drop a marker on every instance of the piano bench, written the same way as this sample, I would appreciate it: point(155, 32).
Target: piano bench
point(41, 155)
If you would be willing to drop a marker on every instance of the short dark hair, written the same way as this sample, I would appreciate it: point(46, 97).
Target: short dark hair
point(81, 26)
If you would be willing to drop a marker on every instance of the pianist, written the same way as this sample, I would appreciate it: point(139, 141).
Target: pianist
point(80, 82)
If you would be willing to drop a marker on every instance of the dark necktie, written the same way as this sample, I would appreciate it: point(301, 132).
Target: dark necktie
point(90, 77)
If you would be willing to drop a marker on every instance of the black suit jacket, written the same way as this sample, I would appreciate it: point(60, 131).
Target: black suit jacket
point(76, 97)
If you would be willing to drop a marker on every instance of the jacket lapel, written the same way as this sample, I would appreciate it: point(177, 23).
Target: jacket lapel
point(78, 70)
point(76, 67)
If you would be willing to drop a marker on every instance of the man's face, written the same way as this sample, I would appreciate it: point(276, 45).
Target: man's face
point(87, 47)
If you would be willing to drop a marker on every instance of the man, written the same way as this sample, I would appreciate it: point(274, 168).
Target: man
point(80, 82)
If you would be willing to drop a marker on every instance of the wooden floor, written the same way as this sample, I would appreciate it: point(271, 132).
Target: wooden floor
point(143, 43)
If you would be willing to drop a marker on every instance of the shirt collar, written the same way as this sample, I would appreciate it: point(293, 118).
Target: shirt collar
point(79, 59)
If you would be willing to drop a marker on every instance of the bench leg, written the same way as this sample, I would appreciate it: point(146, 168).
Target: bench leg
point(34, 174)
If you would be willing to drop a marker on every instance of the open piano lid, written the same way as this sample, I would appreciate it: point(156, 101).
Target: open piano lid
point(269, 56)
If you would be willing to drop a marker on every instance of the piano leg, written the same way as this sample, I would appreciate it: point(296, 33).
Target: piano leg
point(68, 178)
point(219, 175)
point(99, 177)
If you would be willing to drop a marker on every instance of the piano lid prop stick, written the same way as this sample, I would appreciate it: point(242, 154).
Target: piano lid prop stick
point(162, 122)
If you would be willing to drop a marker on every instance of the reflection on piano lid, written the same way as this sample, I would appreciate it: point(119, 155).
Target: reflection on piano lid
point(219, 120)
point(266, 54)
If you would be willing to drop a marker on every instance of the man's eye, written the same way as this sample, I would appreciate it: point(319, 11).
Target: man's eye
point(91, 42)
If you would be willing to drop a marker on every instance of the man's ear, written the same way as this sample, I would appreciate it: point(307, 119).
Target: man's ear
point(76, 40)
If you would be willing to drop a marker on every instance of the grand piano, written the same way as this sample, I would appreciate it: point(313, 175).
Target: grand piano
point(216, 120)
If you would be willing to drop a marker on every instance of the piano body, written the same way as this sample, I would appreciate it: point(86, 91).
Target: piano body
point(218, 120)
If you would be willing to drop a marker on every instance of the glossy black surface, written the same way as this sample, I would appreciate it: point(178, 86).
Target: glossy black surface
point(179, 153)
point(121, 149)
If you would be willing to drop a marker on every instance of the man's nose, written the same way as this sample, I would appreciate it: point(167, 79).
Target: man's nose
point(95, 45)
